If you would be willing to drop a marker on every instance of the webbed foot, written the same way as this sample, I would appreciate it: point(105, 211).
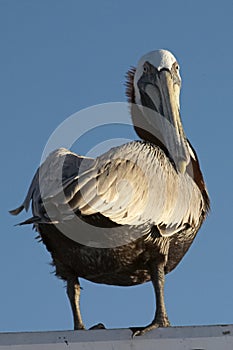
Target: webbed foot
point(153, 325)
point(97, 326)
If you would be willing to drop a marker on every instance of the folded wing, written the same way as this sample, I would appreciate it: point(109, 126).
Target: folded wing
point(130, 185)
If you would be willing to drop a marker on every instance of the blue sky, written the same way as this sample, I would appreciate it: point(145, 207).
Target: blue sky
point(58, 57)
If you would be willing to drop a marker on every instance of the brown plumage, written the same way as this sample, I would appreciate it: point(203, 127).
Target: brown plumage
point(165, 207)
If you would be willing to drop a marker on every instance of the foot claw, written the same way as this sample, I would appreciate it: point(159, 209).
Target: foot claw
point(136, 331)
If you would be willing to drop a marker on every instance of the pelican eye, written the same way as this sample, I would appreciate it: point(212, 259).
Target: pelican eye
point(145, 68)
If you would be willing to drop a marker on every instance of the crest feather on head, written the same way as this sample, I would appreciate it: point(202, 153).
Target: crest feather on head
point(129, 85)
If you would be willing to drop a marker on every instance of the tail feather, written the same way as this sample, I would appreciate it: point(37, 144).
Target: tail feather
point(37, 220)
point(32, 220)
point(17, 210)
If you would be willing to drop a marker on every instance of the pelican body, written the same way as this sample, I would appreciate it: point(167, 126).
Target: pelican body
point(147, 197)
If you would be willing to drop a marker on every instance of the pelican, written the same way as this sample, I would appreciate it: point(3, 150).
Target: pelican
point(147, 198)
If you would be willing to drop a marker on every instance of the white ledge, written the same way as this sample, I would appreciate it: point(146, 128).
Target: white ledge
point(175, 338)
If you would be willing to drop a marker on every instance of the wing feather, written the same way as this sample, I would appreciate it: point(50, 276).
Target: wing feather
point(133, 184)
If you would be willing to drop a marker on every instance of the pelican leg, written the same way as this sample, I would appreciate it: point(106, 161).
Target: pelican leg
point(160, 318)
point(73, 291)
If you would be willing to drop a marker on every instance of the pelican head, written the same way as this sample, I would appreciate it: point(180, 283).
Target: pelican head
point(156, 85)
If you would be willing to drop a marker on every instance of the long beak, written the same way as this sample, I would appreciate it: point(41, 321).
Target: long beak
point(169, 123)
